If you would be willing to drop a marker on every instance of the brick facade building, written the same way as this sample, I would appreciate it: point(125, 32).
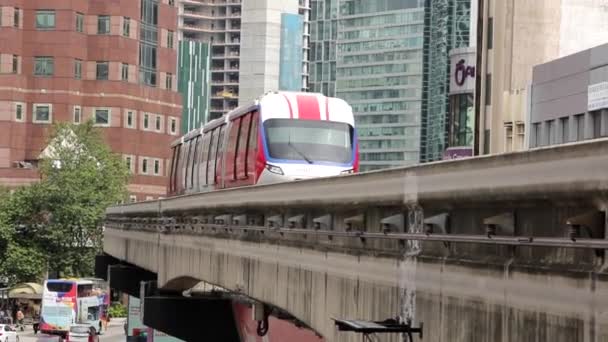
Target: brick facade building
point(112, 61)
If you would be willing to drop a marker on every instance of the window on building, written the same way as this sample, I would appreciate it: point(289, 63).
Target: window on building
point(169, 81)
point(490, 33)
point(146, 120)
point(102, 117)
point(79, 22)
point(170, 35)
point(564, 129)
point(125, 72)
point(579, 122)
point(15, 64)
point(77, 114)
point(537, 135)
point(19, 111)
point(126, 26)
point(550, 132)
point(157, 123)
point(45, 19)
point(156, 167)
point(78, 69)
point(148, 43)
point(173, 125)
point(42, 113)
point(597, 124)
point(130, 119)
point(171, 2)
point(521, 135)
point(129, 162)
point(44, 66)
point(509, 137)
point(103, 24)
point(144, 166)
point(488, 89)
point(17, 17)
point(102, 70)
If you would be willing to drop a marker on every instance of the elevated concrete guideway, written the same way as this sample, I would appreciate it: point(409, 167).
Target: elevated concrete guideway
point(515, 245)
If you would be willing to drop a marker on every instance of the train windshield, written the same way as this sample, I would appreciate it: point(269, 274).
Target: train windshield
point(311, 141)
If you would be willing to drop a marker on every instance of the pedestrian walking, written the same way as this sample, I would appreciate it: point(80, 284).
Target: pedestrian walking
point(20, 319)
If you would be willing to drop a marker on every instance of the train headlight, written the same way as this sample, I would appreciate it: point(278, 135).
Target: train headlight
point(347, 172)
point(274, 169)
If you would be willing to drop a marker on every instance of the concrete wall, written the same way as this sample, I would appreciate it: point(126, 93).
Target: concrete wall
point(461, 291)
point(457, 300)
point(560, 92)
point(260, 46)
point(528, 33)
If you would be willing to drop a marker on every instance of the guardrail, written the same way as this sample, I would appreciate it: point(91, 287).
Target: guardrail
point(572, 172)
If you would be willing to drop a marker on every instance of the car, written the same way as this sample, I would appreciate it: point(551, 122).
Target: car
point(8, 334)
point(49, 338)
point(82, 333)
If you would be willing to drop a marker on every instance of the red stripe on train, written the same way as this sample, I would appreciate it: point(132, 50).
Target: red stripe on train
point(308, 107)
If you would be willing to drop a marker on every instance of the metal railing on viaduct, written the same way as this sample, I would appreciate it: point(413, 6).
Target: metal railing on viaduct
point(498, 248)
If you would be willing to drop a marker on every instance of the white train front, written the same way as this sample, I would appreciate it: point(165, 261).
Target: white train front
point(281, 136)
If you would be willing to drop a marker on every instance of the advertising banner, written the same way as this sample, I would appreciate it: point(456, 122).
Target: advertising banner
point(290, 66)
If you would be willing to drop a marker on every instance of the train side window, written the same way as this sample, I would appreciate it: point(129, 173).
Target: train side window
point(195, 160)
point(211, 156)
point(232, 148)
point(242, 146)
point(204, 158)
point(171, 170)
point(178, 167)
point(220, 153)
point(253, 143)
point(183, 167)
point(188, 164)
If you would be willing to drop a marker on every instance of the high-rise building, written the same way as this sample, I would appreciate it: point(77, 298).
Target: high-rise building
point(246, 39)
point(390, 61)
point(447, 27)
point(110, 62)
point(193, 76)
point(369, 53)
point(515, 35)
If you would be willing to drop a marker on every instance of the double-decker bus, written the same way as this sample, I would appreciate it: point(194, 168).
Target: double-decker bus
point(70, 301)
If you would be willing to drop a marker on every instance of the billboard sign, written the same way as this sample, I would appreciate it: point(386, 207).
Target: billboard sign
point(462, 74)
point(291, 53)
point(458, 152)
point(597, 96)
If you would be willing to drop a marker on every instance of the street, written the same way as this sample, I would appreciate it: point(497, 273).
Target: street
point(115, 333)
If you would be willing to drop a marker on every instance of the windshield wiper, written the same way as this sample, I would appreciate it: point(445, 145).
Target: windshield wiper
point(298, 151)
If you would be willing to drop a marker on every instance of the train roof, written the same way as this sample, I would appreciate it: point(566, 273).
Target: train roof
point(241, 110)
point(214, 124)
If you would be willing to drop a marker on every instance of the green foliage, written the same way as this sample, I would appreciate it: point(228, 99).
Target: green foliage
point(117, 310)
point(58, 221)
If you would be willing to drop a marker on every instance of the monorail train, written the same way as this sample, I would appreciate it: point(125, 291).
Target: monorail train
point(281, 136)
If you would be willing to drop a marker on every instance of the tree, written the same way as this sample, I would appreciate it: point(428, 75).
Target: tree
point(59, 218)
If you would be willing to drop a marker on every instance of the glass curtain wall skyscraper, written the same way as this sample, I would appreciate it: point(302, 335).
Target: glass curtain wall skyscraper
point(447, 27)
point(390, 60)
point(369, 53)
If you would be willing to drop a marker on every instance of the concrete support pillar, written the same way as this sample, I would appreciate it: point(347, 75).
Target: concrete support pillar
point(192, 319)
point(128, 279)
point(102, 262)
